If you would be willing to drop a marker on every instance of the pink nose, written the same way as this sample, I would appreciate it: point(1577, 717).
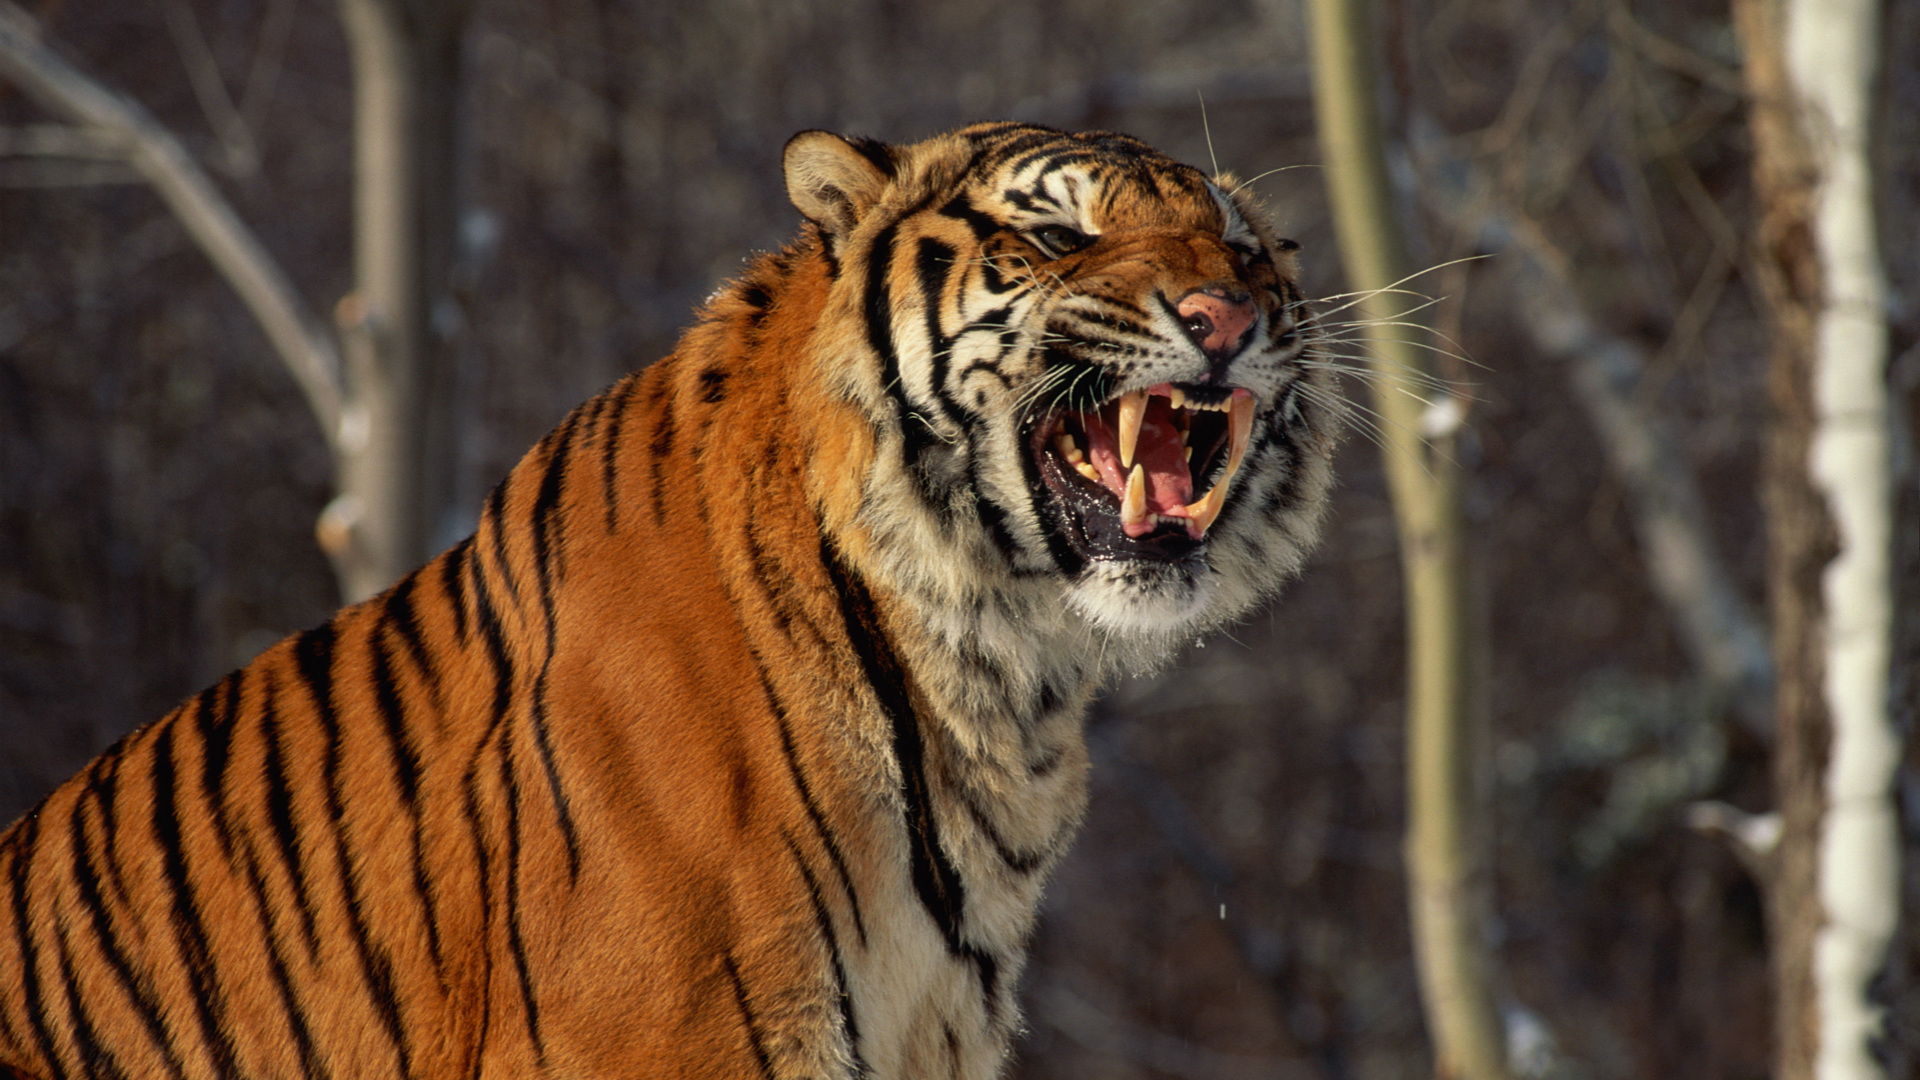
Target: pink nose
point(1217, 320)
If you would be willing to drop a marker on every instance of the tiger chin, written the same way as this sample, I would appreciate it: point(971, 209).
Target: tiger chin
point(742, 735)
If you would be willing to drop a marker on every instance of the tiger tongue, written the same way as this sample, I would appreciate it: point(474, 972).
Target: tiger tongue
point(1159, 452)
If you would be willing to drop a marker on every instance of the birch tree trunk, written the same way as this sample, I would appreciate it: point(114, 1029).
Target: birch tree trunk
point(1833, 892)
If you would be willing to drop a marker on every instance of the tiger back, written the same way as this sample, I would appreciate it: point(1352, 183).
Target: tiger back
point(742, 735)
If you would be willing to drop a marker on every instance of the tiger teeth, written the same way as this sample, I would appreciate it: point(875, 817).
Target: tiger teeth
point(1205, 510)
point(1064, 443)
point(1087, 471)
point(1177, 397)
point(1133, 409)
point(1133, 508)
point(1241, 424)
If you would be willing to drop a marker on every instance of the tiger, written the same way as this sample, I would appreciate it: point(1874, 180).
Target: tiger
point(742, 735)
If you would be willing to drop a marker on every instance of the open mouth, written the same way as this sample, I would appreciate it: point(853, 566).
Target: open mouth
point(1128, 471)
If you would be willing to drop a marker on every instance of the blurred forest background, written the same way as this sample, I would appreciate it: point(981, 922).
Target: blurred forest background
point(1235, 907)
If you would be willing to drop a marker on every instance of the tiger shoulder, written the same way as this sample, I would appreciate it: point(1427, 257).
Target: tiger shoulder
point(741, 737)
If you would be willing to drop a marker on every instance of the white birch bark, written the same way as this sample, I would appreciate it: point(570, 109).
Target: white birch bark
point(1832, 51)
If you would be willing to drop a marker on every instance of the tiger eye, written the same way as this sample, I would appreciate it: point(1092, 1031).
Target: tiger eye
point(1059, 240)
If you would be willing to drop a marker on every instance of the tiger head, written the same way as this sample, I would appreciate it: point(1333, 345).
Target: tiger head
point(1084, 364)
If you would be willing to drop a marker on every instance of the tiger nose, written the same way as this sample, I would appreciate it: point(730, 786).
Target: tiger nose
point(1217, 320)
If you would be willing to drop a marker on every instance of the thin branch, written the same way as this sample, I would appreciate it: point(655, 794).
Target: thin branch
point(300, 339)
point(203, 72)
point(1717, 627)
point(1448, 850)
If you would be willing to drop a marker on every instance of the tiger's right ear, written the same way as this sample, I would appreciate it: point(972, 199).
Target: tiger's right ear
point(834, 179)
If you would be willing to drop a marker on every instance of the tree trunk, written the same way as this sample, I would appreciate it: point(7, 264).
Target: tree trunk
point(1833, 885)
point(1448, 857)
point(395, 458)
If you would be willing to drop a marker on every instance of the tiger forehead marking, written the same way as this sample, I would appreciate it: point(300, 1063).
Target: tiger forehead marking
point(741, 737)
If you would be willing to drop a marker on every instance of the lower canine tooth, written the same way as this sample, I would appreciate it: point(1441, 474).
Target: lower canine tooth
point(1203, 512)
point(1133, 508)
point(1206, 509)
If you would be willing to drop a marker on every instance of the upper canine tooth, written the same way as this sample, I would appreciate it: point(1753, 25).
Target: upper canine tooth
point(1240, 424)
point(1133, 508)
point(1133, 409)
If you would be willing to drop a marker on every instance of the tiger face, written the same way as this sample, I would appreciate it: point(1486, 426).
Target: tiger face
point(1088, 366)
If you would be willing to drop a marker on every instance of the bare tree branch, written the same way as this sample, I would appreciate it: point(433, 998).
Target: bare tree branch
point(1448, 843)
point(1717, 627)
point(301, 340)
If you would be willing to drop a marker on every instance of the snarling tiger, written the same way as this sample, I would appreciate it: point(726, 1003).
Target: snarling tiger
point(742, 735)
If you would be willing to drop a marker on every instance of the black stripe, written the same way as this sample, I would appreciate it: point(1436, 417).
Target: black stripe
point(824, 920)
point(662, 446)
point(494, 635)
point(96, 1061)
point(189, 929)
point(916, 439)
point(400, 613)
point(992, 514)
point(713, 385)
point(758, 301)
point(610, 449)
point(215, 730)
point(1019, 862)
point(746, 1016)
point(776, 582)
point(406, 770)
point(311, 1064)
point(103, 786)
point(314, 652)
point(1016, 149)
point(516, 943)
point(476, 831)
point(961, 208)
point(106, 937)
point(543, 747)
point(455, 589)
point(493, 524)
point(875, 151)
point(552, 490)
point(27, 834)
point(812, 805)
point(546, 502)
point(934, 876)
point(286, 832)
point(933, 262)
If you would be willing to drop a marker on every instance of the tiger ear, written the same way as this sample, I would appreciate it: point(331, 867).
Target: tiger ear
point(834, 180)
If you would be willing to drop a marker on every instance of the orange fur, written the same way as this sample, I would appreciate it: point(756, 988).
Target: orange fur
point(675, 768)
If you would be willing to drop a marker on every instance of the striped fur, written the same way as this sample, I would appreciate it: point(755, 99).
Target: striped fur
point(741, 736)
